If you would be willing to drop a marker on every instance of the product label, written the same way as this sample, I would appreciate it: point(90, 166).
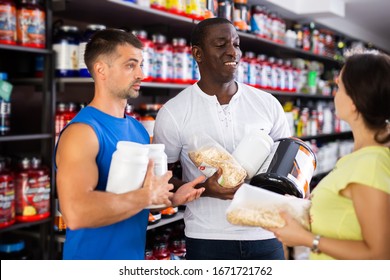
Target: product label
point(7, 201)
point(67, 57)
point(81, 52)
point(31, 28)
point(303, 169)
point(5, 116)
point(7, 24)
point(180, 66)
point(32, 195)
point(148, 55)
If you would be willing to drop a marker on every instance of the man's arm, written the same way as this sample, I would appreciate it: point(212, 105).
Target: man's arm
point(77, 177)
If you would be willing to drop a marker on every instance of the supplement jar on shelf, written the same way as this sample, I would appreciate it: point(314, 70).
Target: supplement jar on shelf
point(7, 22)
point(66, 46)
point(31, 22)
point(7, 196)
point(89, 31)
point(32, 188)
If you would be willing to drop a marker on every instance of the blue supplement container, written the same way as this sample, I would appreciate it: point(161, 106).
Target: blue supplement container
point(91, 29)
point(66, 46)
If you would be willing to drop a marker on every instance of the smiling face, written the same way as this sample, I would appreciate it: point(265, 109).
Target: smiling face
point(125, 72)
point(219, 53)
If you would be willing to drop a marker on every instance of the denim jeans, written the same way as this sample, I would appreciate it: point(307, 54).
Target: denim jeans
point(204, 249)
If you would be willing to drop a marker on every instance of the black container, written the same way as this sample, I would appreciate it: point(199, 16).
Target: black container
point(288, 169)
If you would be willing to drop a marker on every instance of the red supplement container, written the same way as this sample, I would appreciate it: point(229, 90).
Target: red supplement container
point(7, 197)
point(148, 55)
point(163, 60)
point(32, 191)
point(31, 24)
point(181, 70)
point(7, 22)
point(161, 251)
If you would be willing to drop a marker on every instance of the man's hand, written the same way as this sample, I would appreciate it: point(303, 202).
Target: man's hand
point(188, 192)
point(214, 189)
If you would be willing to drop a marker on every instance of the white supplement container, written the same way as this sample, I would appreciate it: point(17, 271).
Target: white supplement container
point(252, 151)
point(160, 159)
point(128, 167)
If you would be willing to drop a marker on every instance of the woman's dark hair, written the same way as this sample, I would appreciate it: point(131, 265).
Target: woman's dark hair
point(200, 30)
point(366, 78)
point(104, 42)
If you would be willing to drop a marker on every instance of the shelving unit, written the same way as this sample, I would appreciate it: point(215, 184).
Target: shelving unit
point(32, 125)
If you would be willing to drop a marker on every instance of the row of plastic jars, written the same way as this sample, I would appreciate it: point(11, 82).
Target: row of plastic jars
point(318, 41)
point(166, 63)
point(22, 22)
point(70, 48)
point(266, 24)
point(267, 73)
point(163, 62)
point(24, 192)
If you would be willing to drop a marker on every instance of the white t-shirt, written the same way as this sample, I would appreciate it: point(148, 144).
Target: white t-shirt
point(193, 113)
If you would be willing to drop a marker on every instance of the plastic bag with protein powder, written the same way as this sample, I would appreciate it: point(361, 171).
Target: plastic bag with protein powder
point(208, 156)
point(253, 206)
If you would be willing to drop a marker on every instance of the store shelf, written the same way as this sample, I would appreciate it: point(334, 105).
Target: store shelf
point(25, 137)
point(252, 40)
point(298, 95)
point(24, 49)
point(346, 134)
point(179, 216)
point(24, 225)
point(77, 80)
point(154, 12)
point(169, 23)
point(125, 15)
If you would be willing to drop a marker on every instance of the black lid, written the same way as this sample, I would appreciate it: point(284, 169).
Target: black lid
point(276, 183)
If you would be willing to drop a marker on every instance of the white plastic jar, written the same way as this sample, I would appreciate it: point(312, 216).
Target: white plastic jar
point(160, 159)
point(252, 151)
point(128, 167)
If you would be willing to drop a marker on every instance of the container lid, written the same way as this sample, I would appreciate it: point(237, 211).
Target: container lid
point(132, 148)
point(276, 183)
point(96, 27)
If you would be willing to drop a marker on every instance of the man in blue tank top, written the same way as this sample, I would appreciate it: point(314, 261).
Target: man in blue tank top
point(100, 224)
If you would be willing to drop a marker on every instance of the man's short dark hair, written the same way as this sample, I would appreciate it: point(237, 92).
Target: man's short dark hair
point(200, 30)
point(105, 42)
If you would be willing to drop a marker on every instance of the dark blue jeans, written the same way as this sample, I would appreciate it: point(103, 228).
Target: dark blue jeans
point(204, 249)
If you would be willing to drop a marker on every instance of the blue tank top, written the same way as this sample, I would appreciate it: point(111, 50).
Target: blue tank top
point(124, 240)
